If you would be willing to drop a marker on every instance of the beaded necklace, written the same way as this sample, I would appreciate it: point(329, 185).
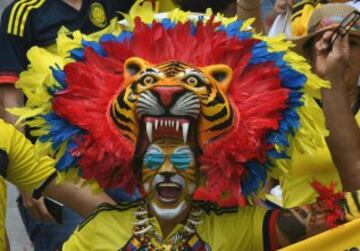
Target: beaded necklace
point(150, 239)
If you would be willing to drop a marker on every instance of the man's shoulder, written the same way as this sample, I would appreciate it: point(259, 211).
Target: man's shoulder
point(233, 214)
point(16, 15)
point(6, 132)
point(112, 213)
point(212, 208)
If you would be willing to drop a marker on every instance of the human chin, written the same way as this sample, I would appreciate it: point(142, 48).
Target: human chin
point(170, 198)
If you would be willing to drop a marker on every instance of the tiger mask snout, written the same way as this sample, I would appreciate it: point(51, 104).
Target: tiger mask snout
point(173, 99)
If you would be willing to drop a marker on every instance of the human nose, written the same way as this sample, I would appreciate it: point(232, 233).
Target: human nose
point(167, 167)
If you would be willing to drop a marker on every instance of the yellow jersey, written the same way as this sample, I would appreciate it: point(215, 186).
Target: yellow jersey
point(18, 165)
point(110, 227)
point(296, 187)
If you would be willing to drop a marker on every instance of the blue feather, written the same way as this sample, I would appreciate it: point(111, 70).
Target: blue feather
point(107, 38)
point(67, 160)
point(277, 155)
point(59, 75)
point(60, 130)
point(77, 54)
point(95, 46)
point(125, 36)
point(168, 24)
point(256, 176)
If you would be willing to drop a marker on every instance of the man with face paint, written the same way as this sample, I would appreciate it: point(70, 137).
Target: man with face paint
point(169, 218)
point(189, 125)
point(169, 177)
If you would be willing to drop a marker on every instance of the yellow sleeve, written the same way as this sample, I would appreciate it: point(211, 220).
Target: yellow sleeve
point(2, 213)
point(109, 227)
point(83, 238)
point(228, 229)
point(23, 170)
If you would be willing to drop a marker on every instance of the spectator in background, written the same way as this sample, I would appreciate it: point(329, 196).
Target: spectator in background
point(18, 165)
point(266, 7)
point(271, 9)
point(251, 9)
point(36, 23)
point(227, 7)
point(337, 63)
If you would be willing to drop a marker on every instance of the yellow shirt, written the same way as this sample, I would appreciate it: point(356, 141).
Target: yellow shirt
point(296, 187)
point(110, 228)
point(2, 213)
point(18, 165)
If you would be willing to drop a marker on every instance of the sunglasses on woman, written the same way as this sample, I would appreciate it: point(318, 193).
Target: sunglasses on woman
point(345, 26)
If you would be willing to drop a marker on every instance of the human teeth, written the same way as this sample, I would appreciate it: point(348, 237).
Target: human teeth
point(169, 185)
point(185, 129)
point(166, 123)
point(149, 130)
point(161, 122)
point(156, 124)
point(177, 125)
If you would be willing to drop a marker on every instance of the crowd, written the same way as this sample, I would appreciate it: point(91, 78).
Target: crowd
point(193, 182)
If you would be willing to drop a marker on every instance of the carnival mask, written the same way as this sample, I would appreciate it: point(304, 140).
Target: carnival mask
point(173, 99)
point(169, 176)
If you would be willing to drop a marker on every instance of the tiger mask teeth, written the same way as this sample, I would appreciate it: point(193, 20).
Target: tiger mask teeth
point(154, 124)
point(170, 92)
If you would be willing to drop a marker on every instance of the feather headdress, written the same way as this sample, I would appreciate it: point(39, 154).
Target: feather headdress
point(272, 95)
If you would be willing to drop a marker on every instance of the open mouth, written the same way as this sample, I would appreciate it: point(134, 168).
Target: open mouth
point(168, 192)
point(168, 127)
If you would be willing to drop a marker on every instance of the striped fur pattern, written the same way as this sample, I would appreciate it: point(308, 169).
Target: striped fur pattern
point(199, 96)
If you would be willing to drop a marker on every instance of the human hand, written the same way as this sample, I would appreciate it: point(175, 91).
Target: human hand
point(281, 6)
point(331, 62)
point(36, 208)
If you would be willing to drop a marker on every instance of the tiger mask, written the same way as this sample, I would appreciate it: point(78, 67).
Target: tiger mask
point(173, 99)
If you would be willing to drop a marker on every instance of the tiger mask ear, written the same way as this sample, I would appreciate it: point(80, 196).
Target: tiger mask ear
point(221, 74)
point(133, 66)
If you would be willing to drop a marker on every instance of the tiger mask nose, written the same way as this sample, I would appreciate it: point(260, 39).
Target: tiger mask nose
point(167, 94)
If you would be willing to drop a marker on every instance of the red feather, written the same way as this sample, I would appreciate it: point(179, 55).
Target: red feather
point(330, 201)
point(257, 98)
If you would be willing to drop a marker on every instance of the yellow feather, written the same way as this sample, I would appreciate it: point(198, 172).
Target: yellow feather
point(310, 135)
point(94, 185)
point(24, 113)
point(178, 15)
point(142, 9)
point(247, 24)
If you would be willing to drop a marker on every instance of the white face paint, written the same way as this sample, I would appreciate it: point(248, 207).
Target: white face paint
point(169, 213)
point(169, 177)
point(146, 187)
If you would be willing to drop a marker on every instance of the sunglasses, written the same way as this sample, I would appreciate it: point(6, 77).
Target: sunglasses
point(344, 27)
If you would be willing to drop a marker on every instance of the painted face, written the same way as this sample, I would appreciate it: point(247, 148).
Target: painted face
point(169, 177)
